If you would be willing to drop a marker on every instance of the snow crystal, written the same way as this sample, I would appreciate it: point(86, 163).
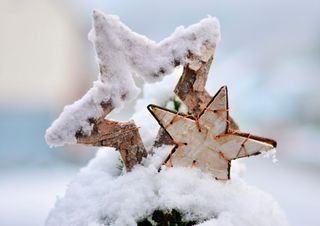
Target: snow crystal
point(120, 54)
point(100, 195)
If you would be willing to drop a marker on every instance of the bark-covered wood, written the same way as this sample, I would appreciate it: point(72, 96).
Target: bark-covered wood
point(191, 89)
point(124, 136)
point(107, 107)
point(191, 86)
point(162, 138)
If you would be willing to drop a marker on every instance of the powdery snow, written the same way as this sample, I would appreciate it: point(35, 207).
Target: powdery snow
point(120, 54)
point(101, 195)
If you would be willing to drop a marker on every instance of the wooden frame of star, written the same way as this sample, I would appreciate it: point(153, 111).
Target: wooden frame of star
point(206, 141)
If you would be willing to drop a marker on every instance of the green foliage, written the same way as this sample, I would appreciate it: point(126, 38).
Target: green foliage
point(120, 164)
point(176, 103)
point(165, 218)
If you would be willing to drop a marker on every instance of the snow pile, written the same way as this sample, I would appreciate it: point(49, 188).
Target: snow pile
point(120, 54)
point(101, 195)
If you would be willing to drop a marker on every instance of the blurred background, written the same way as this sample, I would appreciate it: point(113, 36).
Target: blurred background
point(269, 57)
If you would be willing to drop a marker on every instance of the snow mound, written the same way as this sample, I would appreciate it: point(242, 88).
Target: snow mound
point(120, 54)
point(102, 195)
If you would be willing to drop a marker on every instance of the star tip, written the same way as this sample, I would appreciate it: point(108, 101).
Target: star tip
point(150, 107)
point(271, 142)
point(224, 88)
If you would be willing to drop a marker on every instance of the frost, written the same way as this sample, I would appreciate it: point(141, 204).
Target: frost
point(120, 54)
point(100, 195)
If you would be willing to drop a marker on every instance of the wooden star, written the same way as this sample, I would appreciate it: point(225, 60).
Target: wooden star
point(207, 141)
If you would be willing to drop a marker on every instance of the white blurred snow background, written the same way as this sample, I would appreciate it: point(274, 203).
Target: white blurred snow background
point(269, 58)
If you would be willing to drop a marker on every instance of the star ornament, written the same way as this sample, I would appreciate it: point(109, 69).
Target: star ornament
point(207, 141)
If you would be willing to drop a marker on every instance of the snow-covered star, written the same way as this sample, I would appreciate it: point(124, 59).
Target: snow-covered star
point(206, 141)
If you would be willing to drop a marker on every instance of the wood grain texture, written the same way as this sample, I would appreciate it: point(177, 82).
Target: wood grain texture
point(124, 136)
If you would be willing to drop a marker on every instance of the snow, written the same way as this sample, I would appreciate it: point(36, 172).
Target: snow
point(120, 54)
point(121, 50)
point(100, 195)
point(270, 154)
point(75, 117)
point(28, 193)
point(158, 93)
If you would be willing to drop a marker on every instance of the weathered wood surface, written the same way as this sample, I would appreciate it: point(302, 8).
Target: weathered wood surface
point(191, 89)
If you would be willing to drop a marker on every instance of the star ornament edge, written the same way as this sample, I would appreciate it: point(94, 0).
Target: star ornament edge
point(231, 144)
